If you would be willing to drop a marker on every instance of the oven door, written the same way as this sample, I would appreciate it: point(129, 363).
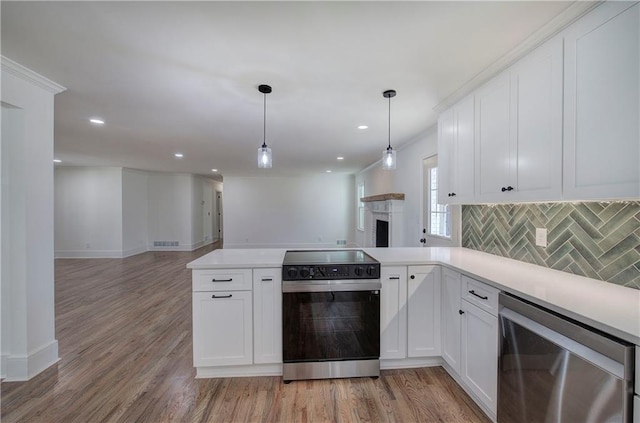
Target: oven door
point(330, 321)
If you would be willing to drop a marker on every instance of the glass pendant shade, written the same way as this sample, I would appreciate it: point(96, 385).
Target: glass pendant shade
point(264, 157)
point(389, 159)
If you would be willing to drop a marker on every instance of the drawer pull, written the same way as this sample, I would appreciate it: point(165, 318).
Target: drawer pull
point(472, 292)
point(461, 312)
point(267, 279)
point(394, 278)
point(221, 280)
point(221, 296)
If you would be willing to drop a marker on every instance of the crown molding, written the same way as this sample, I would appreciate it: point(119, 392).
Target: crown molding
point(30, 76)
point(550, 29)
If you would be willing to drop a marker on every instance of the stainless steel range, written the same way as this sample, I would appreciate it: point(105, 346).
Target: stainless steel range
point(330, 314)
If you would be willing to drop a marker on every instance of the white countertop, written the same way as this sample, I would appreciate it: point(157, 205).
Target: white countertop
point(606, 306)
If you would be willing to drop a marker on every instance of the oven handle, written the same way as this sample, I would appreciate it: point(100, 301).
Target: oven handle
point(330, 286)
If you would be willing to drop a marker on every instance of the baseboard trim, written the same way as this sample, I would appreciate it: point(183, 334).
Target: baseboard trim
point(23, 368)
point(88, 254)
point(134, 251)
point(410, 363)
point(239, 371)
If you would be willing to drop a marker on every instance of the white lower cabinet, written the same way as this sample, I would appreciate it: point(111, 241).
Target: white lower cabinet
point(222, 328)
point(479, 358)
point(267, 316)
point(423, 311)
point(451, 318)
point(393, 312)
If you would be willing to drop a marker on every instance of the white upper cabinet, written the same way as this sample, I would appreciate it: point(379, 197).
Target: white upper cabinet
point(536, 124)
point(602, 104)
point(519, 130)
point(456, 153)
point(493, 163)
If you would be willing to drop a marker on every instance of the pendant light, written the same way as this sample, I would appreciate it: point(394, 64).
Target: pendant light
point(264, 152)
point(389, 155)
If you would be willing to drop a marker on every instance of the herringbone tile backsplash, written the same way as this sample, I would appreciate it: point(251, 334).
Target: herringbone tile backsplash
point(598, 240)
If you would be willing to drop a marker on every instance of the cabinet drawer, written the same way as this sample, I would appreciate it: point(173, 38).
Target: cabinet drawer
point(222, 280)
point(480, 294)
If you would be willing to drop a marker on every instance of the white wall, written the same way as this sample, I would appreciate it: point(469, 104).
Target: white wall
point(88, 212)
point(311, 211)
point(406, 179)
point(135, 211)
point(170, 210)
point(29, 345)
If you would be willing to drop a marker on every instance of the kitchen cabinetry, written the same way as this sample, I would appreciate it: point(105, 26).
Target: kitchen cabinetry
point(267, 316)
point(393, 312)
point(456, 153)
point(423, 311)
point(451, 318)
point(519, 130)
point(222, 319)
point(602, 104)
point(479, 343)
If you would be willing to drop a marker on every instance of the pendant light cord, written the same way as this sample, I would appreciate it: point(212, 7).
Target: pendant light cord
point(389, 147)
point(264, 127)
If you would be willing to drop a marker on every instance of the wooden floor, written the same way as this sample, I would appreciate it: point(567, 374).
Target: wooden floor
point(124, 333)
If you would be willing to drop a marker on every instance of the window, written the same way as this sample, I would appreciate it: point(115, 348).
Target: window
point(360, 206)
point(439, 215)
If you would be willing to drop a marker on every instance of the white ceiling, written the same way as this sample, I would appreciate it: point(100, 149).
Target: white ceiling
point(183, 76)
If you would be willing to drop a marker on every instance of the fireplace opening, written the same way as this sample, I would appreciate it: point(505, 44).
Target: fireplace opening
point(382, 233)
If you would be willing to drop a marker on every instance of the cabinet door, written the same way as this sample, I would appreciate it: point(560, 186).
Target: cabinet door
point(602, 104)
point(479, 361)
point(493, 163)
point(463, 163)
point(423, 311)
point(536, 124)
point(267, 316)
point(393, 312)
point(451, 318)
point(222, 328)
point(446, 156)
point(456, 153)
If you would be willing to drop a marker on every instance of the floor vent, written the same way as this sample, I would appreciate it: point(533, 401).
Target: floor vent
point(165, 243)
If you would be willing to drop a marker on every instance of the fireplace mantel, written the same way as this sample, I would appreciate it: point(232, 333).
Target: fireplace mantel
point(383, 197)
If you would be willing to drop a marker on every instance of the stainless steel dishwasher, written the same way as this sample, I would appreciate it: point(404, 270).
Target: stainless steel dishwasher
point(553, 369)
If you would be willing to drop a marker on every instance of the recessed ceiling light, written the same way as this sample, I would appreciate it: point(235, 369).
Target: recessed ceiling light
point(328, 171)
point(57, 161)
point(214, 170)
point(362, 127)
point(339, 158)
point(179, 155)
point(97, 121)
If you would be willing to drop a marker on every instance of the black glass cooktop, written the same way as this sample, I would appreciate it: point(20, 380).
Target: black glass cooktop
point(312, 257)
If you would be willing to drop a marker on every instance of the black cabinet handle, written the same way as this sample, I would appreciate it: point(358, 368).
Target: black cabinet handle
point(503, 189)
point(221, 296)
point(394, 278)
point(453, 194)
point(509, 188)
point(423, 240)
point(412, 276)
point(221, 280)
point(267, 279)
point(460, 312)
point(472, 292)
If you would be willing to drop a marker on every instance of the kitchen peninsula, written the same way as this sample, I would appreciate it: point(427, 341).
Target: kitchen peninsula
point(440, 287)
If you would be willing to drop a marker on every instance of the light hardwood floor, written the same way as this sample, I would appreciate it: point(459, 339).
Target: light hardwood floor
point(124, 332)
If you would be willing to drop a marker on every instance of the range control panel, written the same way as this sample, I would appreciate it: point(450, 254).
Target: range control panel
point(336, 271)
